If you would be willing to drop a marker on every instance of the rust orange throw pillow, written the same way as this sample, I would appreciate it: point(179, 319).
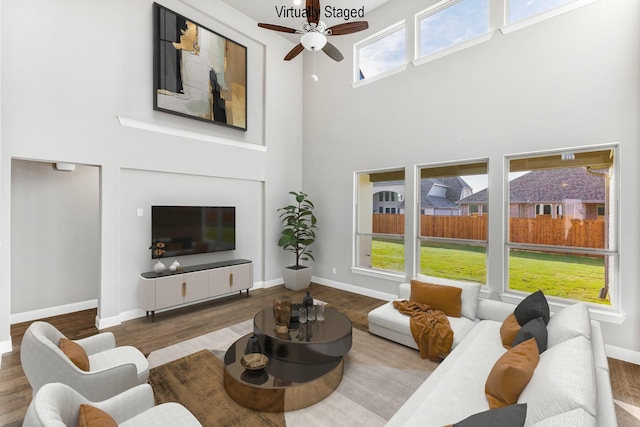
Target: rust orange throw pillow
point(439, 297)
point(89, 416)
point(511, 374)
point(75, 352)
point(509, 329)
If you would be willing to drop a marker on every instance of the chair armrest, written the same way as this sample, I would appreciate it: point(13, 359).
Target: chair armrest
point(101, 385)
point(129, 403)
point(97, 343)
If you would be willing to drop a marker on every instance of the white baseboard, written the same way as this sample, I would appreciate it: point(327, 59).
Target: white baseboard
point(623, 354)
point(29, 316)
point(355, 289)
point(272, 283)
point(5, 347)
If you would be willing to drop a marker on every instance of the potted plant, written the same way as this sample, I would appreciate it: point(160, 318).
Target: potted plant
point(297, 235)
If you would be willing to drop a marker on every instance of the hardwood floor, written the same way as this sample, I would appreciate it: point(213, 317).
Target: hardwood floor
point(179, 325)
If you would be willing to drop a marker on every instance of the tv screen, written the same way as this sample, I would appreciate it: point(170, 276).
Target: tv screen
point(187, 230)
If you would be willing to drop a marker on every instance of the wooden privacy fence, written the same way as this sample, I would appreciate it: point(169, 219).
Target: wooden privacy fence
point(540, 231)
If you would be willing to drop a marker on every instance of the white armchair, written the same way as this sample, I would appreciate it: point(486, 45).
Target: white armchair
point(111, 369)
point(57, 404)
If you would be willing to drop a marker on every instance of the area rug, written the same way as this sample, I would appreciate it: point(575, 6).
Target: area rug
point(379, 377)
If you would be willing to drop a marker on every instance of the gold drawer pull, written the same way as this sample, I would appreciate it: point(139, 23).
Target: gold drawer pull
point(231, 279)
point(184, 289)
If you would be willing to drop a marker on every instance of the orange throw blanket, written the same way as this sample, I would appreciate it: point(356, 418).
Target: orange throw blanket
point(430, 329)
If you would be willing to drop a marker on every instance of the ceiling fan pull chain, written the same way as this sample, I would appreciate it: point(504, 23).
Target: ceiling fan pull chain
point(314, 76)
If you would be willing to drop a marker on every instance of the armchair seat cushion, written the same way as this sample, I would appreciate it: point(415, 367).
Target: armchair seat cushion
point(158, 416)
point(120, 356)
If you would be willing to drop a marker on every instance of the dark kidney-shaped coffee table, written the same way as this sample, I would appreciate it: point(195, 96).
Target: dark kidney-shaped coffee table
point(305, 365)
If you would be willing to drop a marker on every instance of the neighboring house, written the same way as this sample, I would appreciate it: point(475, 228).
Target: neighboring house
point(571, 193)
point(438, 196)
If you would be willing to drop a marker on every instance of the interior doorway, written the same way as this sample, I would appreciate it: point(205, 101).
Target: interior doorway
point(55, 238)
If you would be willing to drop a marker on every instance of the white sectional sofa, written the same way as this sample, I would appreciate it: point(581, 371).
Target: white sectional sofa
point(570, 385)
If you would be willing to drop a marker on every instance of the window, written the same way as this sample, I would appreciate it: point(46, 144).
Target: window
point(453, 222)
point(380, 53)
point(522, 13)
point(379, 212)
point(451, 23)
point(566, 246)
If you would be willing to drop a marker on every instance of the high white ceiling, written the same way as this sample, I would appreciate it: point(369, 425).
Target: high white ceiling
point(266, 11)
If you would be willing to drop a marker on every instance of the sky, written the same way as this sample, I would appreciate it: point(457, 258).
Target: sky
point(456, 24)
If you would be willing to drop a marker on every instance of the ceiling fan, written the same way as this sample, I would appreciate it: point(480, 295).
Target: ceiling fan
point(314, 33)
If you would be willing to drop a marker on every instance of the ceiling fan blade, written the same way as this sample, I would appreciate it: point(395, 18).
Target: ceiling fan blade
point(332, 52)
point(294, 52)
point(277, 28)
point(348, 28)
point(313, 11)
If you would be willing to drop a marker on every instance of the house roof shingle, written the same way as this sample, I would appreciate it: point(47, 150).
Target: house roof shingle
point(551, 186)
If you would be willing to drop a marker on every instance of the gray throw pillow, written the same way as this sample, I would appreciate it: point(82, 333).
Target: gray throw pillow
point(533, 329)
point(535, 305)
point(507, 416)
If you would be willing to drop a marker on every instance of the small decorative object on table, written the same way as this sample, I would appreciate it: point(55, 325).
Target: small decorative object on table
point(158, 251)
point(307, 300)
point(253, 345)
point(311, 313)
point(282, 313)
point(320, 312)
point(254, 361)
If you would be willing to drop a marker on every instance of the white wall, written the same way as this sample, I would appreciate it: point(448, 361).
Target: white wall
point(56, 240)
point(80, 90)
point(573, 80)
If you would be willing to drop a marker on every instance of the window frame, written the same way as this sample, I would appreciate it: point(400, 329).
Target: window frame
point(417, 224)
point(610, 313)
point(380, 35)
point(420, 59)
point(371, 271)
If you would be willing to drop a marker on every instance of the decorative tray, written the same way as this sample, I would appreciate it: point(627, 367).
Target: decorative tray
point(254, 361)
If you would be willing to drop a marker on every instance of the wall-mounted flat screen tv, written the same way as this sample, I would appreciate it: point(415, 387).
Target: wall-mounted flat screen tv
point(187, 230)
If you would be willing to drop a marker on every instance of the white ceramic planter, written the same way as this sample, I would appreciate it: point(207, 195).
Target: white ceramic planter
point(297, 279)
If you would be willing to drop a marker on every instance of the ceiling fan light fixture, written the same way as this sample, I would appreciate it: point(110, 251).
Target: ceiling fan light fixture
point(313, 41)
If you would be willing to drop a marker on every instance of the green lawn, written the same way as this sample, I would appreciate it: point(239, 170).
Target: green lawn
point(565, 276)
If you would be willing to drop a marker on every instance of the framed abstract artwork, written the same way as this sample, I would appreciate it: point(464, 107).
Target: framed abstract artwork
point(198, 73)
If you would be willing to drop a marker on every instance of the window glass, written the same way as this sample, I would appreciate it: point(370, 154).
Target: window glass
point(453, 23)
point(523, 9)
point(562, 226)
point(380, 221)
point(453, 222)
point(382, 52)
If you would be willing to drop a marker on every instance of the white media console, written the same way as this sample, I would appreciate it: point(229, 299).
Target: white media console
point(172, 289)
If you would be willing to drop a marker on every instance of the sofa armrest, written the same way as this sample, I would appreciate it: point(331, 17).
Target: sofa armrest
point(493, 310)
point(97, 343)
point(404, 290)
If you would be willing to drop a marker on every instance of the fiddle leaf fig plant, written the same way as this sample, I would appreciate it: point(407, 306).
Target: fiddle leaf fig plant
point(299, 228)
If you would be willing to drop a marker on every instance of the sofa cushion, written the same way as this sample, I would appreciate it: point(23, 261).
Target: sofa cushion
point(507, 416)
point(389, 323)
point(564, 380)
point(439, 297)
point(576, 417)
point(534, 305)
point(511, 373)
point(570, 322)
point(75, 353)
point(90, 416)
point(533, 329)
point(470, 296)
point(509, 329)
